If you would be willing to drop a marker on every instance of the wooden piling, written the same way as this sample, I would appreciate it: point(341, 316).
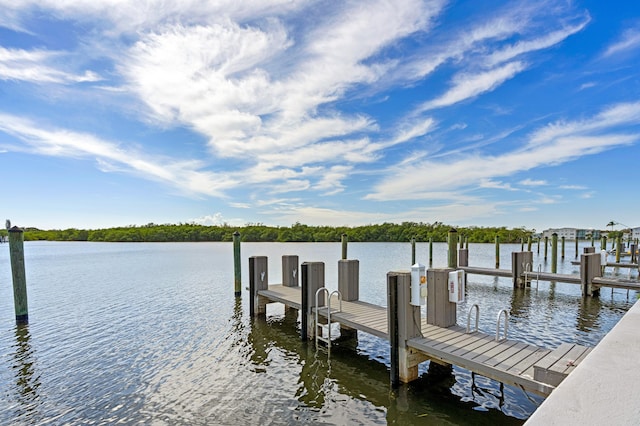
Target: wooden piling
point(404, 324)
point(349, 279)
point(521, 262)
point(413, 251)
point(237, 268)
point(290, 274)
point(430, 251)
point(603, 244)
point(593, 240)
point(590, 268)
point(463, 257)
point(440, 311)
point(618, 249)
point(554, 253)
point(345, 240)
point(16, 254)
point(461, 240)
point(546, 246)
point(562, 245)
point(521, 244)
point(632, 248)
point(312, 280)
point(497, 252)
point(258, 280)
point(452, 253)
point(576, 246)
point(529, 243)
point(538, 245)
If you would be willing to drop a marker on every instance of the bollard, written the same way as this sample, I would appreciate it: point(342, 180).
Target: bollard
point(236, 265)
point(497, 252)
point(452, 254)
point(16, 253)
point(554, 253)
point(345, 240)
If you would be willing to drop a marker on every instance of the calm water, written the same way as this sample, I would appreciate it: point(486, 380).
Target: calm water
point(151, 334)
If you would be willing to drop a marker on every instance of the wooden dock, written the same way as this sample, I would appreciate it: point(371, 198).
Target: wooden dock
point(528, 367)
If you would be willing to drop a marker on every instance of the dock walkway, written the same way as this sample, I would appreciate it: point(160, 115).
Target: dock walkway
point(531, 368)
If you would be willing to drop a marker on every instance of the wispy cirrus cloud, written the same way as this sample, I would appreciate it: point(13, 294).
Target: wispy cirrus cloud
point(37, 66)
point(628, 41)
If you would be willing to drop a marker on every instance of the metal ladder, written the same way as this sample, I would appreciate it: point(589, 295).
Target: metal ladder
point(320, 328)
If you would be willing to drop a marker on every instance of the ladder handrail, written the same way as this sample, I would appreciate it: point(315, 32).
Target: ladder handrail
point(328, 306)
point(506, 324)
point(475, 305)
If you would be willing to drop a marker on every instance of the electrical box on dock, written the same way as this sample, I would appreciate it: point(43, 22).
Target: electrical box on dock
point(418, 284)
point(456, 286)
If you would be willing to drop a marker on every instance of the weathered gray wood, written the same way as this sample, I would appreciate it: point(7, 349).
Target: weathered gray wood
point(487, 271)
point(349, 279)
point(440, 311)
point(258, 281)
point(590, 269)
point(452, 254)
point(542, 370)
point(520, 263)
point(463, 257)
point(18, 275)
point(290, 271)
point(312, 280)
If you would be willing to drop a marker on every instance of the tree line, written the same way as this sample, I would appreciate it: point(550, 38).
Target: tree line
point(385, 232)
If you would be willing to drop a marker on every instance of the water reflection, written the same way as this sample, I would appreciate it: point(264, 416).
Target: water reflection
point(27, 380)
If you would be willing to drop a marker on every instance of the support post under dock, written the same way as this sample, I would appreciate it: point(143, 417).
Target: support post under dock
point(258, 280)
point(404, 324)
point(312, 280)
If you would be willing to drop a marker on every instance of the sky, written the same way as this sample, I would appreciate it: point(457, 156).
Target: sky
point(340, 113)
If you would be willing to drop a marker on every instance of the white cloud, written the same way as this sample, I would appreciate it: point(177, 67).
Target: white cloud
point(37, 66)
point(466, 86)
point(532, 182)
point(555, 144)
point(186, 175)
point(629, 41)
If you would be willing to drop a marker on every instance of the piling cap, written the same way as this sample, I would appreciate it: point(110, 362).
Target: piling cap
point(15, 229)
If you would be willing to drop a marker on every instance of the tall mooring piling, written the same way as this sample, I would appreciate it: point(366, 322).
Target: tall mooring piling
point(237, 268)
point(16, 254)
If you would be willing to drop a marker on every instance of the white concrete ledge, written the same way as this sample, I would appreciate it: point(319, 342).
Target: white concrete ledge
point(605, 388)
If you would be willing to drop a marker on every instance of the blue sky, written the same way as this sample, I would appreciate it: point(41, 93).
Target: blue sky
point(125, 112)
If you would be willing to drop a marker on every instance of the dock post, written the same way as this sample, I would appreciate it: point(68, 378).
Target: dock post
point(521, 244)
point(521, 262)
point(237, 269)
point(554, 253)
point(312, 280)
point(16, 254)
point(576, 246)
point(618, 249)
point(345, 240)
point(463, 257)
point(349, 279)
point(290, 275)
point(593, 240)
point(497, 252)
point(452, 254)
point(538, 245)
point(258, 280)
point(461, 240)
point(404, 324)
point(413, 251)
point(562, 246)
point(632, 248)
point(440, 311)
point(603, 243)
point(546, 246)
point(590, 269)
point(430, 251)
point(529, 243)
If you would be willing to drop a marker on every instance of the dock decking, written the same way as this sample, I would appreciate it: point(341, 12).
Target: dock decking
point(515, 363)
